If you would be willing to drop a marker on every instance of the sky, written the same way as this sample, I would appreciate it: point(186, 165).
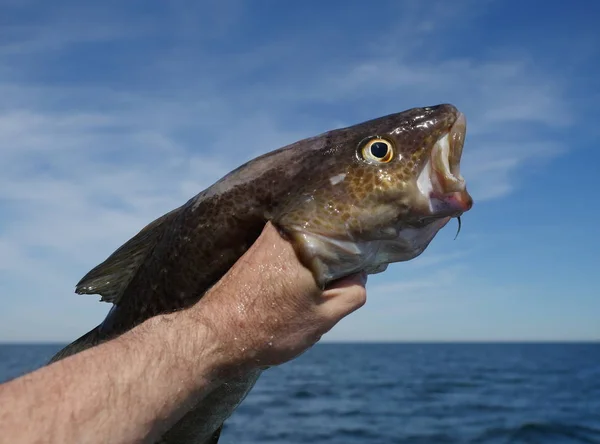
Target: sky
point(113, 113)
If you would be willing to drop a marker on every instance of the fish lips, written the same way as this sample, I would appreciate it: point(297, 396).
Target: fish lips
point(440, 181)
point(453, 204)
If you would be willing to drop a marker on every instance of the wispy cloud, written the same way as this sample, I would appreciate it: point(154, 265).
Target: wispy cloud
point(87, 158)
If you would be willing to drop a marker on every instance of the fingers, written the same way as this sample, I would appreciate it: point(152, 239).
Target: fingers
point(345, 296)
point(338, 300)
point(354, 279)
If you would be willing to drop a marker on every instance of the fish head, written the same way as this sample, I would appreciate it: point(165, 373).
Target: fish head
point(377, 192)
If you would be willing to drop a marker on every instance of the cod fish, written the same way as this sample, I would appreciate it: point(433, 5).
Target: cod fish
point(351, 199)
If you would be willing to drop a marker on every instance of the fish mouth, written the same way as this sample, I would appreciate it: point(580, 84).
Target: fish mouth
point(440, 181)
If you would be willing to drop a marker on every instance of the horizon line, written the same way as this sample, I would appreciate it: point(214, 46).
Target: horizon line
point(384, 341)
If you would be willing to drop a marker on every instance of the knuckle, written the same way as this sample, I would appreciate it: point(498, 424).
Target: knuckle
point(359, 297)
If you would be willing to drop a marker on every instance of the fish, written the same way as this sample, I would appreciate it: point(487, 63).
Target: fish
point(350, 200)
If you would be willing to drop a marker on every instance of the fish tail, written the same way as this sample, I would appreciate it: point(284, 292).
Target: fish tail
point(88, 340)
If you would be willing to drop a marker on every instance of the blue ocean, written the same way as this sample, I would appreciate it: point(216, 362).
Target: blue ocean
point(410, 393)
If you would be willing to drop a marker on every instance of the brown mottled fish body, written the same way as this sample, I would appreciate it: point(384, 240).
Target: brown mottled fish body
point(351, 199)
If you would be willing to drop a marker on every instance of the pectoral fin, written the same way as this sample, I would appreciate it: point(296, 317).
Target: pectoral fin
point(111, 277)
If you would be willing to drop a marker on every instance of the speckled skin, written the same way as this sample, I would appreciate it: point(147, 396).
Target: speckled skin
point(195, 245)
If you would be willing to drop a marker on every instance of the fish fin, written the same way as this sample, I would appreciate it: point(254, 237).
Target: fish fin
point(214, 439)
point(111, 277)
point(377, 269)
point(88, 340)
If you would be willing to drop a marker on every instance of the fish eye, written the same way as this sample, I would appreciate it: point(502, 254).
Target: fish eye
point(378, 150)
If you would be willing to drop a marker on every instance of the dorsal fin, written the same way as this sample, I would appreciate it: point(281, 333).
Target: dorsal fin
point(111, 277)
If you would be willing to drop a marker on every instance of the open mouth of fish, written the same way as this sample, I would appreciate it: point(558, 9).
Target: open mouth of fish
point(440, 181)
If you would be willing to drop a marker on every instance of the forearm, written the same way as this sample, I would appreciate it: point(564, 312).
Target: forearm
point(127, 390)
point(265, 311)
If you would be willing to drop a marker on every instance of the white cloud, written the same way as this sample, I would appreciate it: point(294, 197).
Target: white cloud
point(84, 167)
point(430, 292)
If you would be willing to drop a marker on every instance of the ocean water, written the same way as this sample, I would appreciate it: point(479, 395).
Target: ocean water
point(410, 393)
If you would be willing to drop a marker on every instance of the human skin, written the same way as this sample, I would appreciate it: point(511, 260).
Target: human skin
point(265, 311)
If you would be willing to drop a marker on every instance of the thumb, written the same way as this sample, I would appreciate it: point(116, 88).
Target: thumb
point(344, 297)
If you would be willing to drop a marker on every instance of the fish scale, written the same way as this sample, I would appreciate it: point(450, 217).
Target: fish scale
point(344, 207)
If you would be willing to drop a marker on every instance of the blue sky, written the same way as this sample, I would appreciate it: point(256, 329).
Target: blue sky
point(112, 113)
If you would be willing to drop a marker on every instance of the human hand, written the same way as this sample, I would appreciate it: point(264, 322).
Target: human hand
point(265, 311)
point(268, 308)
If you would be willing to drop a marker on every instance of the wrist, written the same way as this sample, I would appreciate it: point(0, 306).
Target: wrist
point(204, 352)
point(180, 351)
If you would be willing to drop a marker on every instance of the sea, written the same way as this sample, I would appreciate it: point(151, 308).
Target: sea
point(410, 393)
